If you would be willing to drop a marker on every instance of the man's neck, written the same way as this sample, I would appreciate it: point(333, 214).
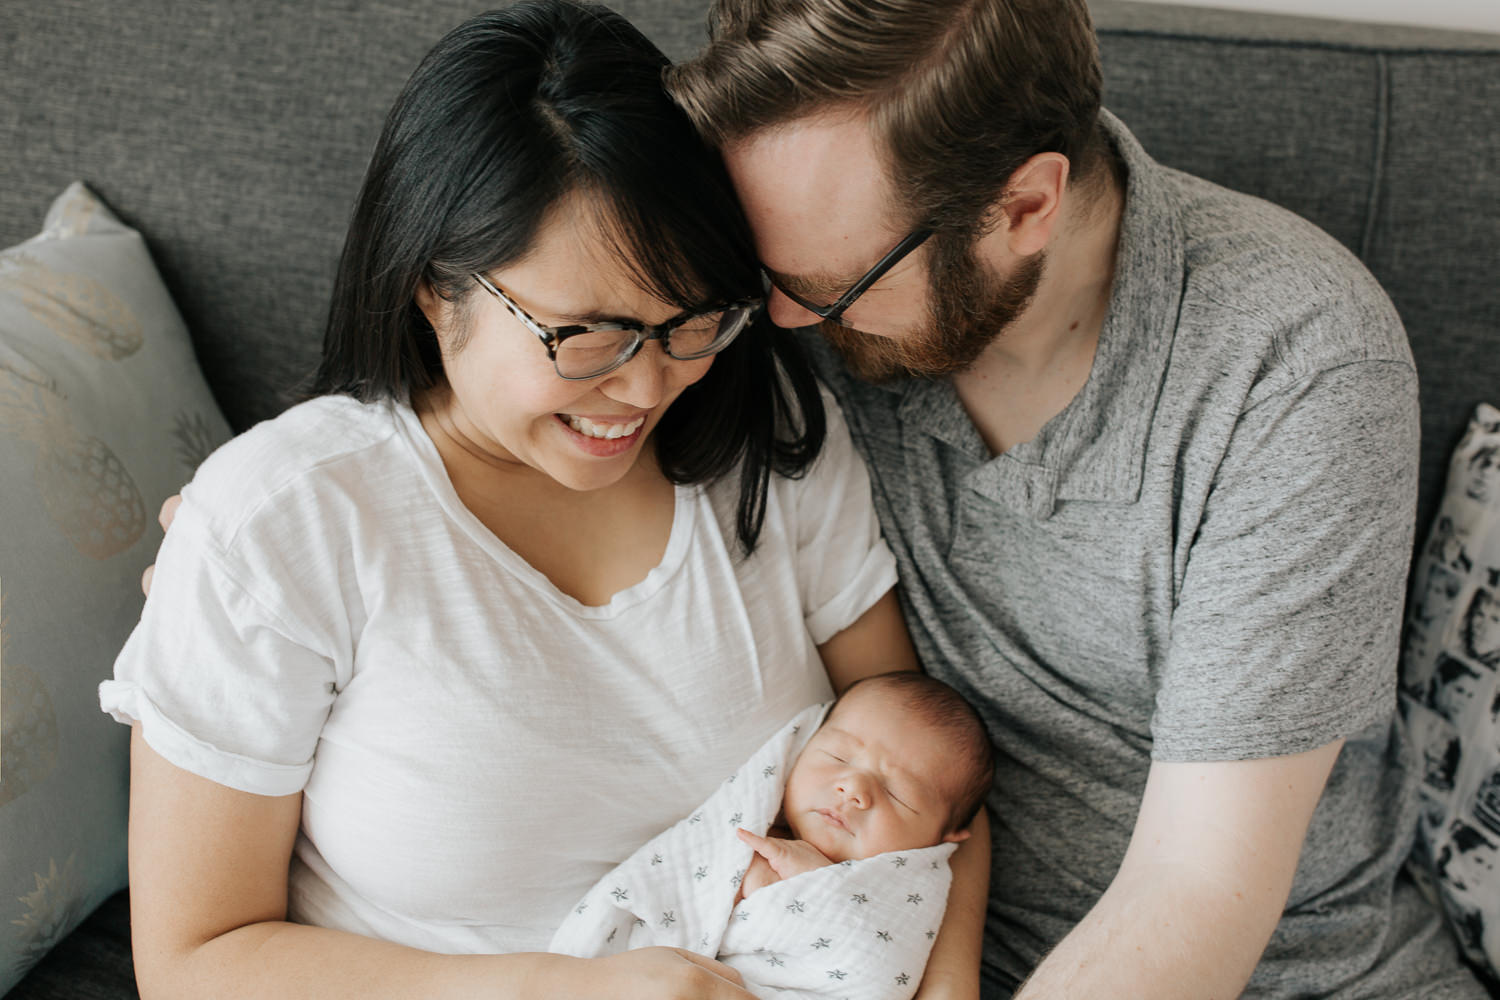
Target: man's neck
point(1038, 365)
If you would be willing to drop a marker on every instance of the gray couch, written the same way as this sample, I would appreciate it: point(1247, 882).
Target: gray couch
point(234, 134)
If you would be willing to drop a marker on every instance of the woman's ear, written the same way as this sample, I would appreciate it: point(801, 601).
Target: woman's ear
point(433, 306)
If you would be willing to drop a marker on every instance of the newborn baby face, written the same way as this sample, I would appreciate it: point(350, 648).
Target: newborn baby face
point(870, 780)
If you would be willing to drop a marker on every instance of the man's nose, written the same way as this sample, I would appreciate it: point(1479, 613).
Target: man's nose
point(786, 313)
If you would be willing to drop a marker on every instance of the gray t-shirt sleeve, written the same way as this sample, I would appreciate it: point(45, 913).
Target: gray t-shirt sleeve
point(1285, 630)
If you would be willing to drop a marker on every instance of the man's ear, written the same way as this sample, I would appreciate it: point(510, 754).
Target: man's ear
point(1031, 209)
point(956, 837)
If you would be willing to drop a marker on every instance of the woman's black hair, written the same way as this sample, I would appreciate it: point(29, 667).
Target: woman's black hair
point(513, 110)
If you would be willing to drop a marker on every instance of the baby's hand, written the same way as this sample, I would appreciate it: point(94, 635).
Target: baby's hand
point(757, 876)
point(786, 857)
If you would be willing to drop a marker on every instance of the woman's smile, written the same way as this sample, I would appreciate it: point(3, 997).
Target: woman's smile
point(599, 437)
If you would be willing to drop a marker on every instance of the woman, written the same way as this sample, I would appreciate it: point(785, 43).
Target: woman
point(546, 560)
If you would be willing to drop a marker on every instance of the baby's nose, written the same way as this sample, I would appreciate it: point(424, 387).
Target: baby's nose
point(856, 790)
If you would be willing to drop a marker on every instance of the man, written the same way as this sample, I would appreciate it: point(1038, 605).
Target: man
point(1146, 451)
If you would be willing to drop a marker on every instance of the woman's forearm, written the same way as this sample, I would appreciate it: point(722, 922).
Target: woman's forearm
point(283, 961)
point(290, 961)
point(953, 968)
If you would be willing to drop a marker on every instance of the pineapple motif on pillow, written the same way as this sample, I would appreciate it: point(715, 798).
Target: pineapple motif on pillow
point(85, 489)
point(103, 414)
point(28, 723)
point(78, 308)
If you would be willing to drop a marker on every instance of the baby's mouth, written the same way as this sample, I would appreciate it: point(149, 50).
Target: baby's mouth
point(833, 819)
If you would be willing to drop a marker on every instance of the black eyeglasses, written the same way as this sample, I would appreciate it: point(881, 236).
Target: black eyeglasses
point(874, 274)
point(583, 351)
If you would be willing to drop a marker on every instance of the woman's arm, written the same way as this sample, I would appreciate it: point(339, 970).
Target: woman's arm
point(208, 875)
point(953, 968)
point(876, 643)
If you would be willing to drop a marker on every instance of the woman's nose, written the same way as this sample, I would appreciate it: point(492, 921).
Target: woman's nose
point(641, 381)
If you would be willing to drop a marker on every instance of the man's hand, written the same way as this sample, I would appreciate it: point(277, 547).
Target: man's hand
point(776, 859)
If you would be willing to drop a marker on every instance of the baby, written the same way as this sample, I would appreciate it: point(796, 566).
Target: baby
point(900, 762)
point(819, 869)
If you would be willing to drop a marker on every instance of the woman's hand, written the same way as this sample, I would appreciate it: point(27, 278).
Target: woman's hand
point(164, 518)
point(657, 974)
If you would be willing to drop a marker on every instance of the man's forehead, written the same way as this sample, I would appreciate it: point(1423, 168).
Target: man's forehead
point(817, 196)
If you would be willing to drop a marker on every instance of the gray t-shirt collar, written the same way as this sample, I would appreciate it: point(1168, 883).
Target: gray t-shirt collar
point(1094, 448)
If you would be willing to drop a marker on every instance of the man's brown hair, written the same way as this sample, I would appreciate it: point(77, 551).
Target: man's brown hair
point(960, 92)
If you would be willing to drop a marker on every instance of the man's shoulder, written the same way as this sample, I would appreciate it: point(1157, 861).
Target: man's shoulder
point(1278, 284)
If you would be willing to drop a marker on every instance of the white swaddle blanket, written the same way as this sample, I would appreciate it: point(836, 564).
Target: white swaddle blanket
point(859, 930)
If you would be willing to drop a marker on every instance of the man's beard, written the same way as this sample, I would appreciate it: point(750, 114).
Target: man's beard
point(971, 306)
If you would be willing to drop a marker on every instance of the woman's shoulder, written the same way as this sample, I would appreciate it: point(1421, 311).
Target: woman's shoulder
point(826, 480)
point(321, 446)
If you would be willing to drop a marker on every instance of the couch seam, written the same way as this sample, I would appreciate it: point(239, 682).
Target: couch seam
point(1382, 142)
point(1350, 48)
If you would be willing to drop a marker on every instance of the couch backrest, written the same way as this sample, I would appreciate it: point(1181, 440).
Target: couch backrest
point(235, 134)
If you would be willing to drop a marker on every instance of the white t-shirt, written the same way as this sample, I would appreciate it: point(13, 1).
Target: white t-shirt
point(475, 747)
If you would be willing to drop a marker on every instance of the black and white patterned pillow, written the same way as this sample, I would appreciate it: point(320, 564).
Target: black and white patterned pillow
point(1450, 694)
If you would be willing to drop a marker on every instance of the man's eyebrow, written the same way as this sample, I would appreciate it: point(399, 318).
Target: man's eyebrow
point(812, 286)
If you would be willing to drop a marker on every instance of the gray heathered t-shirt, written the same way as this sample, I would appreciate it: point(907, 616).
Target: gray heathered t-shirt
point(1201, 558)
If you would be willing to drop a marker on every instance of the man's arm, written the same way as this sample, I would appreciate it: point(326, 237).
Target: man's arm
point(1202, 886)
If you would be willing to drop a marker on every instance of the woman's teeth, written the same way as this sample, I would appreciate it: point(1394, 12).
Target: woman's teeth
point(588, 428)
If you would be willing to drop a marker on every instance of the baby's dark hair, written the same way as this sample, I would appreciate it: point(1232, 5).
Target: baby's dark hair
point(941, 706)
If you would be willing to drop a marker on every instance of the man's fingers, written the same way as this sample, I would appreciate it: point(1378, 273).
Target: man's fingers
point(146, 578)
point(169, 511)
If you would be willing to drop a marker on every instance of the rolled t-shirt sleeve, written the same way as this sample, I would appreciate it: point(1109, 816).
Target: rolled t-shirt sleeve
point(224, 681)
point(1286, 629)
point(843, 564)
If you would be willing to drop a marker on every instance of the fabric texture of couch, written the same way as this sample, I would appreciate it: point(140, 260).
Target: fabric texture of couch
point(233, 136)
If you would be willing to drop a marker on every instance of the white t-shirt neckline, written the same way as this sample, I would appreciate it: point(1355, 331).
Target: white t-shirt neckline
point(435, 474)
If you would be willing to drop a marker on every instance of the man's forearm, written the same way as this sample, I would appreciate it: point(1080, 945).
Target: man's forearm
point(1159, 933)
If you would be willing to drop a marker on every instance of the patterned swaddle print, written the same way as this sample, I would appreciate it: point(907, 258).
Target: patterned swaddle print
point(860, 930)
